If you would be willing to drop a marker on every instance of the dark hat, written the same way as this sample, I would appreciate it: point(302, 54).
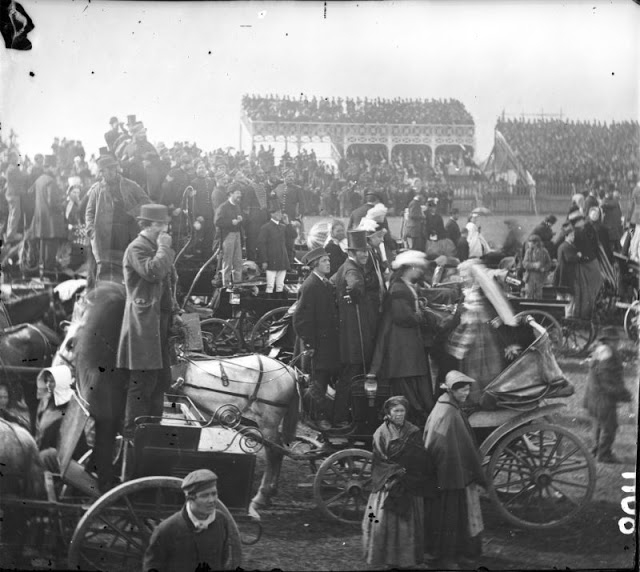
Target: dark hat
point(198, 480)
point(314, 254)
point(113, 120)
point(510, 222)
point(50, 160)
point(357, 240)
point(154, 213)
point(609, 333)
point(551, 219)
point(103, 151)
point(575, 216)
point(106, 161)
point(131, 119)
point(373, 194)
point(454, 211)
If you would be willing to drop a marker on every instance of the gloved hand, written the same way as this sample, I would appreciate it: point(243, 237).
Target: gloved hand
point(164, 239)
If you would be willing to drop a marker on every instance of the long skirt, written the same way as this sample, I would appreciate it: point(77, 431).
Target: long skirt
point(393, 539)
point(446, 526)
point(419, 393)
point(587, 285)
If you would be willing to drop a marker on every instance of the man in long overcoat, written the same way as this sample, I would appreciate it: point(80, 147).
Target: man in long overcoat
point(358, 317)
point(48, 224)
point(315, 321)
point(112, 205)
point(143, 348)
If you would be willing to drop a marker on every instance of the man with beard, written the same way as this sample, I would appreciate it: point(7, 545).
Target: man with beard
point(291, 197)
point(48, 223)
point(112, 205)
point(358, 320)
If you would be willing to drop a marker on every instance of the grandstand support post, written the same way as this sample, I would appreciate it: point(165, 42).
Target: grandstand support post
point(433, 152)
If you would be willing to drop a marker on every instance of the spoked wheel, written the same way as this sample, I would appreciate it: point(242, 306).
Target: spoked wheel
point(577, 335)
point(605, 310)
point(541, 476)
point(343, 484)
point(219, 337)
point(260, 333)
point(631, 321)
point(549, 323)
point(115, 532)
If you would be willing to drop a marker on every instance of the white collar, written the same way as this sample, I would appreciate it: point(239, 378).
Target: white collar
point(198, 523)
point(322, 278)
point(274, 221)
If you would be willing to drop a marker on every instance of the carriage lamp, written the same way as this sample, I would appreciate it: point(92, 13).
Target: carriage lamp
point(370, 388)
point(234, 297)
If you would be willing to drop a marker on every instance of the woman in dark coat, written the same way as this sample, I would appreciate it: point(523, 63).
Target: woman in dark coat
point(334, 244)
point(453, 520)
point(399, 357)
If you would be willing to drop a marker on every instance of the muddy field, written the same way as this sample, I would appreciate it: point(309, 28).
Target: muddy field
point(297, 537)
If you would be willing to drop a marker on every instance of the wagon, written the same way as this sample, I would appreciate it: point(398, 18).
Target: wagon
point(111, 531)
point(540, 474)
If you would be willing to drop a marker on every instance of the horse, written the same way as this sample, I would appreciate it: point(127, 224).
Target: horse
point(263, 389)
point(22, 476)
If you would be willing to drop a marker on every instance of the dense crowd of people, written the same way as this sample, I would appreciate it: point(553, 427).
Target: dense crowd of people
point(582, 152)
point(348, 110)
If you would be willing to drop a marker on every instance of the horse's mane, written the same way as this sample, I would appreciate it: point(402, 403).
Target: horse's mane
point(99, 332)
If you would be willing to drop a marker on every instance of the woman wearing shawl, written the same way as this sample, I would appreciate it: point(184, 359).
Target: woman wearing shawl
point(399, 357)
point(392, 527)
point(453, 520)
point(478, 246)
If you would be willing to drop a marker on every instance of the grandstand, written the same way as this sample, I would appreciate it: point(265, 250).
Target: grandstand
point(441, 132)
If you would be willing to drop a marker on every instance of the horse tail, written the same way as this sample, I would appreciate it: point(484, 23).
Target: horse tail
point(290, 420)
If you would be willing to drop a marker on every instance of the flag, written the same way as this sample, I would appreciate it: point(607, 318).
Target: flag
point(502, 159)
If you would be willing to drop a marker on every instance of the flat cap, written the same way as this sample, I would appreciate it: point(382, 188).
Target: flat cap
point(312, 255)
point(198, 480)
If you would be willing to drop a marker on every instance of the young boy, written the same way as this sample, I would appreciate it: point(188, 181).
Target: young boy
point(605, 389)
point(272, 250)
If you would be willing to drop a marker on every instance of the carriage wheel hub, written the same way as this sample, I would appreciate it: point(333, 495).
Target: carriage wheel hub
point(543, 478)
point(354, 488)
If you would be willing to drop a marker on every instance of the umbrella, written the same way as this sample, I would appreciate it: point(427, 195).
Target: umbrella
point(494, 294)
point(481, 210)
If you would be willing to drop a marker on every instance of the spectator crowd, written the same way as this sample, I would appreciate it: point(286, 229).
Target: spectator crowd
point(339, 110)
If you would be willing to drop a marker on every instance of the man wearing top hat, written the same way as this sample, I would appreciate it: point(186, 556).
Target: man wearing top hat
point(112, 205)
point(48, 224)
point(358, 315)
point(291, 197)
point(143, 348)
point(315, 321)
point(197, 537)
point(228, 220)
point(372, 198)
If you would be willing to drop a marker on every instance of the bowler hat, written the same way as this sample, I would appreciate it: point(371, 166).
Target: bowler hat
point(198, 480)
point(314, 254)
point(50, 160)
point(106, 161)
point(373, 194)
point(113, 120)
point(357, 240)
point(154, 213)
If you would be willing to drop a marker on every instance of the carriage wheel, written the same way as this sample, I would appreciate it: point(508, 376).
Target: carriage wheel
point(604, 309)
point(549, 323)
point(115, 532)
point(219, 337)
point(342, 485)
point(541, 476)
point(578, 335)
point(631, 321)
point(259, 338)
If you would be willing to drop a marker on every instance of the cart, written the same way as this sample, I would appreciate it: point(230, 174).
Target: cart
point(540, 474)
point(111, 532)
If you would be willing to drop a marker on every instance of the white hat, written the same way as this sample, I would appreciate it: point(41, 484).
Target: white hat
point(454, 377)
point(368, 224)
point(63, 376)
point(410, 258)
point(377, 212)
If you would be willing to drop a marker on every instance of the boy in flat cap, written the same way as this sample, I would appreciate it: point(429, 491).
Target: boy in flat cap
point(196, 537)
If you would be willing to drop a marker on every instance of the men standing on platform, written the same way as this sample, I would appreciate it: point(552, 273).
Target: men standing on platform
point(315, 321)
point(112, 205)
point(48, 223)
point(143, 348)
point(358, 316)
point(228, 221)
point(291, 197)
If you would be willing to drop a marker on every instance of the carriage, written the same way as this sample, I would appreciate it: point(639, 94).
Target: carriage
point(111, 531)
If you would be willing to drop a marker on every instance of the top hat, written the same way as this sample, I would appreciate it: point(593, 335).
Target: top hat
point(103, 151)
point(131, 119)
point(50, 160)
point(113, 120)
point(373, 194)
point(106, 161)
point(357, 240)
point(314, 254)
point(154, 213)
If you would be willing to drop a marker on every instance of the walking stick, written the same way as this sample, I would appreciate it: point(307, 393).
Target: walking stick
point(364, 367)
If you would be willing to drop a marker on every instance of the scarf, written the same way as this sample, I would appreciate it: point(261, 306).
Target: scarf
point(199, 524)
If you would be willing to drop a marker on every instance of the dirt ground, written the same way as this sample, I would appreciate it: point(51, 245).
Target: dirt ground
point(297, 537)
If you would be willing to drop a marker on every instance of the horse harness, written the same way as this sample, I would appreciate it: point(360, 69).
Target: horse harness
point(251, 399)
point(48, 349)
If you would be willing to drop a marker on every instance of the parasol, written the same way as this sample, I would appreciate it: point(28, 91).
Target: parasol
point(481, 211)
point(494, 294)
